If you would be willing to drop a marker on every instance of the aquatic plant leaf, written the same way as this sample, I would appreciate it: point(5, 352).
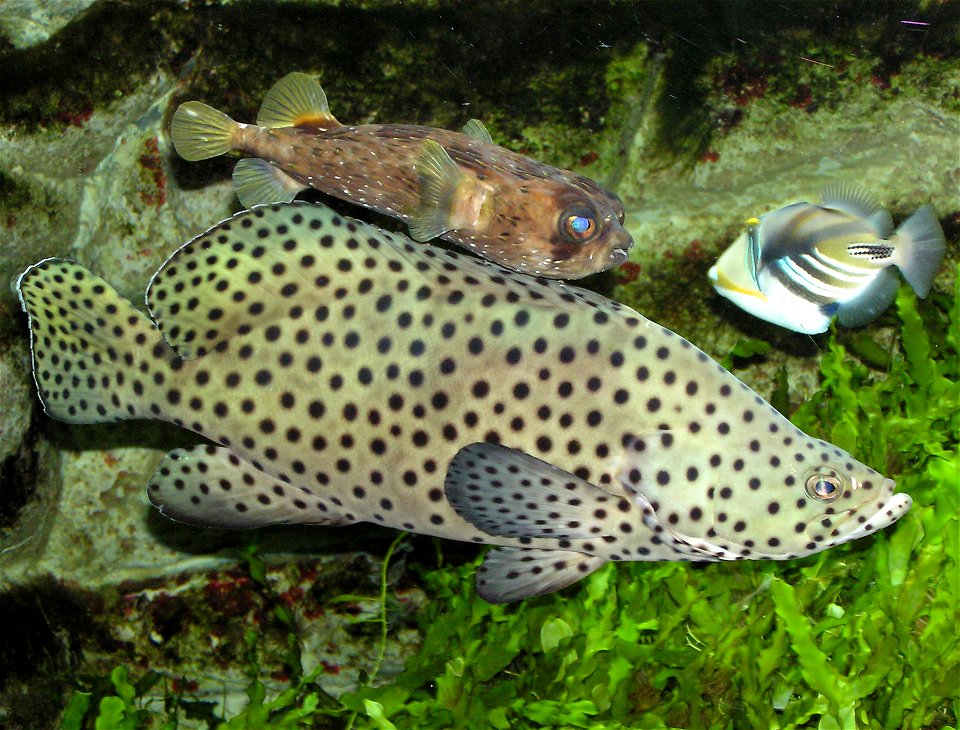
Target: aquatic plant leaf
point(76, 709)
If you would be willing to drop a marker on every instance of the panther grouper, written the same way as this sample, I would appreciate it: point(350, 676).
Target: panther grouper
point(343, 374)
point(499, 204)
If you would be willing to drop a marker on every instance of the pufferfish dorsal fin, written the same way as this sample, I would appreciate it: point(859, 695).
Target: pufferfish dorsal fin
point(858, 202)
point(296, 100)
point(209, 486)
point(475, 129)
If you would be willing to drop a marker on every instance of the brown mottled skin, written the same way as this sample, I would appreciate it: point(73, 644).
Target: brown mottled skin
point(375, 165)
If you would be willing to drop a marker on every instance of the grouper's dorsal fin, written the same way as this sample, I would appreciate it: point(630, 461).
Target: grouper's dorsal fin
point(859, 202)
point(476, 130)
point(253, 269)
point(296, 100)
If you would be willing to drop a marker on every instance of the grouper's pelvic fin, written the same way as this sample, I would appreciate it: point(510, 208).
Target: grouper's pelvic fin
point(200, 132)
point(94, 354)
point(296, 100)
point(258, 182)
point(439, 179)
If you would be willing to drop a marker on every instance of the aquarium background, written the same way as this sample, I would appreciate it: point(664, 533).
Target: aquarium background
point(699, 115)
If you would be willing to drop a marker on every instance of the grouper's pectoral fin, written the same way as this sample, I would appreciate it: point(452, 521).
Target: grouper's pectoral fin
point(209, 486)
point(476, 130)
point(296, 100)
point(511, 574)
point(257, 182)
point(439, 179)
point(508, 493)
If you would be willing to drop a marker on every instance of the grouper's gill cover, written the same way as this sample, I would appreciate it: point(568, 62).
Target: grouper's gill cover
point(344, 374)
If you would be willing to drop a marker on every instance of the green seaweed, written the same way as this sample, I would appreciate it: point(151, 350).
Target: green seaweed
point(860, 636)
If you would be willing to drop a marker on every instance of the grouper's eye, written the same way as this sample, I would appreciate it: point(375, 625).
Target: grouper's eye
point(823, 487)
point(578, 224)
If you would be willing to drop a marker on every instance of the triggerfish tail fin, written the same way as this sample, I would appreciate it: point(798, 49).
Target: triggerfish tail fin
point(296, 100)
point(200, 132)
point(94, 354)
point(209, 486)
point(258, 182)
point(920, 247)
point(871, 302)
point(439, 178)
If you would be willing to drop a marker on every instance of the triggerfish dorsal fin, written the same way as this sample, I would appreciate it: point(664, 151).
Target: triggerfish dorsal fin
point(871, 302)
point(858, 202)
point(439, 178)
point(296, 100)
point(919, 249)
point(257, 182)
point(476, 130)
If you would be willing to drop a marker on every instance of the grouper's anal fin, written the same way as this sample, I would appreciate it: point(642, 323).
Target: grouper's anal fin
point(209, 486)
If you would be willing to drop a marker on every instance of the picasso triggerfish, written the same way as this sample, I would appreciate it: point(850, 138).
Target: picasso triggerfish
point(460, 186)
point(802, 265)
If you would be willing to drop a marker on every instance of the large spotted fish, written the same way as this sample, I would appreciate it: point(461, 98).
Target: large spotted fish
point(504, 206)
point(344, 374)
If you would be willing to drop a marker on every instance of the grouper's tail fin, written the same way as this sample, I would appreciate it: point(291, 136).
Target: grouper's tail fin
point(96, 359)
point(200, 131)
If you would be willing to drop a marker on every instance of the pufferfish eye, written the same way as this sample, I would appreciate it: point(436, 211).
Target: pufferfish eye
point(578, 225)
point(824, 487)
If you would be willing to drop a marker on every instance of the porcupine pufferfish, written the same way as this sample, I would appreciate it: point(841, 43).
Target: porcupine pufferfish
point(504, 206)
point(344, 374)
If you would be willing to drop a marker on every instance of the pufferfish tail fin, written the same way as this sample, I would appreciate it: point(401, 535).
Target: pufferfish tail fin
point(920, 247)
point(200, 132)
point(96, 358)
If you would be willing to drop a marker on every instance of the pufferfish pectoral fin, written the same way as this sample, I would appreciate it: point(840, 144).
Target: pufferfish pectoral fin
point(439, 179)
point(257, 182)
point(511, 574)
point(209, 486)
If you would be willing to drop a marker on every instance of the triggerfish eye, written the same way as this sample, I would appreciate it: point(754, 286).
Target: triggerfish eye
point(823, 487)
point(578, 225)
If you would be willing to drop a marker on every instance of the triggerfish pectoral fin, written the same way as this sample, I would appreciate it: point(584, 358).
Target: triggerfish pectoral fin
point(258, 182)
point(296, 100)
point(439, 179)
point(209, 486)
point(871, 302)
